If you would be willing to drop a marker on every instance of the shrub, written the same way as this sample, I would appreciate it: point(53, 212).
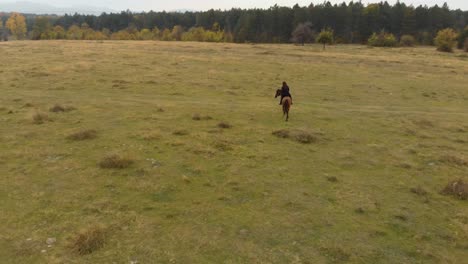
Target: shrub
point(383, 39)
point(446, 40)
point(407, 41)
point(466, 45)
point(325, 37)
point(89, 240)
point(115, 161)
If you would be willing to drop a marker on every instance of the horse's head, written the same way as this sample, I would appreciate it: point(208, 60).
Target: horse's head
point(278, 93)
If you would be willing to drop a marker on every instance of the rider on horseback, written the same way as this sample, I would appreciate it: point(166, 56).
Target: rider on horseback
point(285, 92)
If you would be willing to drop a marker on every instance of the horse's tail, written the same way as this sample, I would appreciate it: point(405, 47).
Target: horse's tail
point(286, 105)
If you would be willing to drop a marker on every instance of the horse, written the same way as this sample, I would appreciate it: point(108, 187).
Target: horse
point(286, 102)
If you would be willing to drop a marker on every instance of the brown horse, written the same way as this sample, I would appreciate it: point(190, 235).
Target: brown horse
point(286, 102)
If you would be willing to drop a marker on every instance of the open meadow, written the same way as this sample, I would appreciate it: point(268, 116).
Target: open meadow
point(176, 152)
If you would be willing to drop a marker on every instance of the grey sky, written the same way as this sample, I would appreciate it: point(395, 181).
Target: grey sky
point(146, 5)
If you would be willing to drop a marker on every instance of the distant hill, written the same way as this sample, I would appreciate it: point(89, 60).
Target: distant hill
point(36, 8)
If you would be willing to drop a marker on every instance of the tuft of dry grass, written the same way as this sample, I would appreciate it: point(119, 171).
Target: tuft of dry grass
point(83, 135)
point(224, 125)
point(336, 254)
point(300, 136)
point(59, 108)
point(180, 132)
point(283, 133)
point(305, 137)
point(419, 191)
point(451, 159)
point(28, 105)
point(458, 189)
point(198, 117)
point(223, 146)
point(332, 179)
point(423, 123)
point(149, 136)
point(115, 161)
point(40, 118)
point(89, 240)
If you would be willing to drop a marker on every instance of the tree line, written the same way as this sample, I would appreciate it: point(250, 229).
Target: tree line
point(351, 22)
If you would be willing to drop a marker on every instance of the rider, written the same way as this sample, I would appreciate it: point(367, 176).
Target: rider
point(285, 92)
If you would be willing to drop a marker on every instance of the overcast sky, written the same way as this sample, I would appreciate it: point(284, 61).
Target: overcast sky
point(146, 5)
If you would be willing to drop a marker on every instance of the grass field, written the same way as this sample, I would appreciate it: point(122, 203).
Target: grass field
point(209, 171)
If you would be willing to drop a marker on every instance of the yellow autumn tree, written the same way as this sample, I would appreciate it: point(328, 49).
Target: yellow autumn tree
point(17, 25)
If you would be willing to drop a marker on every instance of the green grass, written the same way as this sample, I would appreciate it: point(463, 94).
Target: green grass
point(355, 176)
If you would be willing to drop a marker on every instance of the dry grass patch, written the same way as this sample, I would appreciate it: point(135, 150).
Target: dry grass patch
point(89, 240)
point(458, 189)
point(283, 133)
point(40, 118)
point(83, 135)
point(305, 137)
point(336, 254)
point(419, 191)
point(27, 105)
point(223, 146)
point(423, 123)
point(224, 125)
point(59, 108)
point(180, 132)
point(198, 117)
point(115, 161)
point(149, 136)
point(332, 179)
point(451, 159)
point(300, 136)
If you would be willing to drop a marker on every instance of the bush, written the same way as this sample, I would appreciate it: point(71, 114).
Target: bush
point(466, 45)
point(446, 40)
point(407, 41)
point(325, 37)
point(382, 39)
